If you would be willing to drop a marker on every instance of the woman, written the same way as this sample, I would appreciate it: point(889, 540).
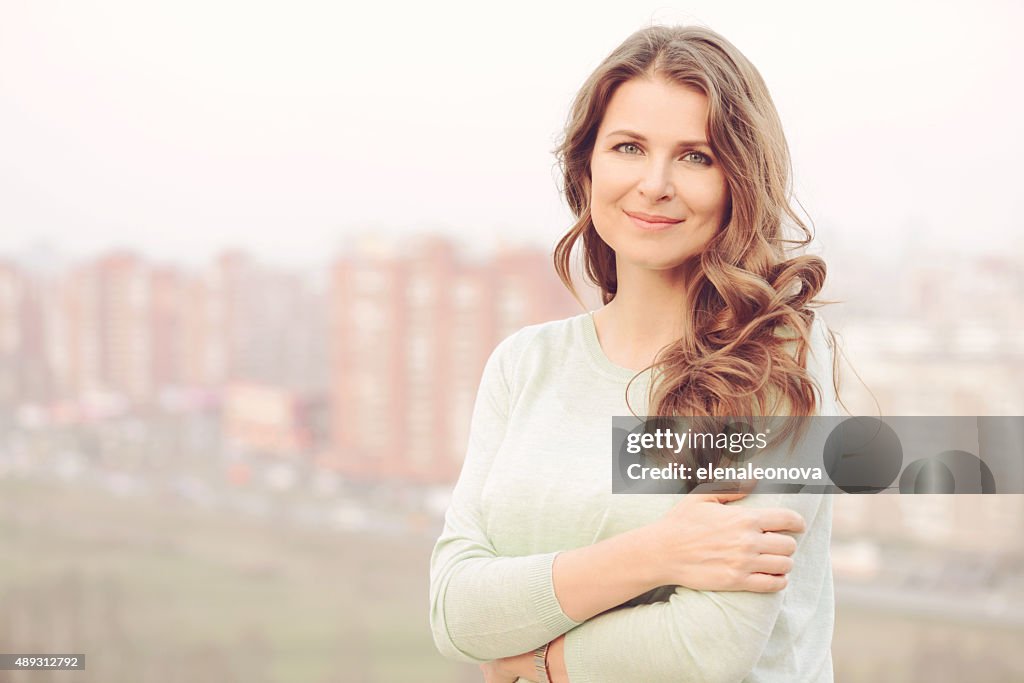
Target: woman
point(676, 166)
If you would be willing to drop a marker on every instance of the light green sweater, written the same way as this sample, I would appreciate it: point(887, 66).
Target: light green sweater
point(537, 480)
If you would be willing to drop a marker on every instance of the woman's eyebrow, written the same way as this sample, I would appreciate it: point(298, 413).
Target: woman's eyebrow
point(641, 138)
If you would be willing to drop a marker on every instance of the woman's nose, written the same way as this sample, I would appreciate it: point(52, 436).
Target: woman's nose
point(656, 183)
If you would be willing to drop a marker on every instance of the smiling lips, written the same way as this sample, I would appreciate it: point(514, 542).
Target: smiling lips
point(648, 221)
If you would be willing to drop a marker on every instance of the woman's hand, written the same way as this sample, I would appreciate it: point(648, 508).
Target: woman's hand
point(509, 669)
point(495, 673)
point(703, 544)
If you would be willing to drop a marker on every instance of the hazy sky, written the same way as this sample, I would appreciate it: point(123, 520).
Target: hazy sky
point(288, 127)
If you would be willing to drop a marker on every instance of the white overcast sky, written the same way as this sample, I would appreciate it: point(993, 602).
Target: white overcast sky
point(289, 127)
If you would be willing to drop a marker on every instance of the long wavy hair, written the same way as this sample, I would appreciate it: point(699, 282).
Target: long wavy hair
point(750, 306)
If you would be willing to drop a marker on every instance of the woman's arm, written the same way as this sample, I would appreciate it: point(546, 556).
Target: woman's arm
point(695, 635)
point(701, 543)
point(482, 606)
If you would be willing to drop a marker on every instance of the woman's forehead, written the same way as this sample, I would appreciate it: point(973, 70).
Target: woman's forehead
point(657, 110)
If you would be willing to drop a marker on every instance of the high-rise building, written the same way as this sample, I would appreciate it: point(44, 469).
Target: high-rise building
point(411, 330)
point(125, 333)
point(203, 346)
point(167, 326)
point(368, 326)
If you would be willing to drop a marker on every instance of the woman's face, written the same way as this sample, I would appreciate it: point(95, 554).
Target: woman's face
point(658, 195)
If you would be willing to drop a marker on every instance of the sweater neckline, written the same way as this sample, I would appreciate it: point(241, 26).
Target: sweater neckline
point(597, 356)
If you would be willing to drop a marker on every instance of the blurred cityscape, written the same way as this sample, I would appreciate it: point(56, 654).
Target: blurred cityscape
point(310, 420)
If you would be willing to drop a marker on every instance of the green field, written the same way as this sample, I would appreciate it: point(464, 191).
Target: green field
point(151, 590)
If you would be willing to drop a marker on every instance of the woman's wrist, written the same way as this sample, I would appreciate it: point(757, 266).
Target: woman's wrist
point(595, 578)
point(648, 541)
point(524, 665)
point(519, 666)
point(557, 671)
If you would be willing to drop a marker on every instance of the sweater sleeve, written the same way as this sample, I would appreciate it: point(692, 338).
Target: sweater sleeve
point(709, 636)
point(706, 636)
point(483, 606)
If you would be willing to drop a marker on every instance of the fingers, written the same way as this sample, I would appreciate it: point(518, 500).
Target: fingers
point(780, 519)
point(772, 564)
point(724, 491)
point(776, 544)
point(765, 583)
point(721, 497)
point(707, 494)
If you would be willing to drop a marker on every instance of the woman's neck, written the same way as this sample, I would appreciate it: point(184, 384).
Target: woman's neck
point(639, 322)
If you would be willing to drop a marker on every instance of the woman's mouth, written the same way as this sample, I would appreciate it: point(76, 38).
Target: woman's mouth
point(646, 221)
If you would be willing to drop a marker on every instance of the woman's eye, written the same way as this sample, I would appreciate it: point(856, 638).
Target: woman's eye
point(627, 147)
point(699, 157)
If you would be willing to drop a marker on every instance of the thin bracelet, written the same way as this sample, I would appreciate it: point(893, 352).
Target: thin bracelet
point(540, 663)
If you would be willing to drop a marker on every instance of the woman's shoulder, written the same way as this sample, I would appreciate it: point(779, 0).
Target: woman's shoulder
point(539, 338)
point(533, 348)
